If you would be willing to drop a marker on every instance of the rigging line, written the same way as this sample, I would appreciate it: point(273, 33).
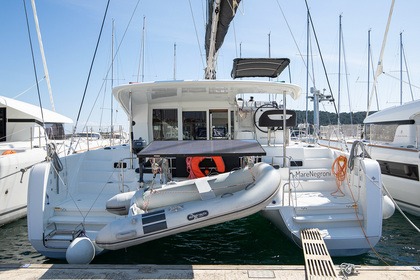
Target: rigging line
point(391, 76)
point(23, 170)
point(28, 89)
point(293, 37)
point(196, 34)
point(374, 87)
point(116, 53)
point(347, 79)
point(320, 54)
point(109, 68)
point(408, 73)
point(312, 62)
point(34, 66)
point(91, 65)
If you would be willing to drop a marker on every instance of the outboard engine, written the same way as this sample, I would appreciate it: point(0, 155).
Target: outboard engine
point(138, 145)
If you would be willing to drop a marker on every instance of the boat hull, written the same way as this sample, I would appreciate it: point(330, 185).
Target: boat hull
point(14, 171)
point(349, 218)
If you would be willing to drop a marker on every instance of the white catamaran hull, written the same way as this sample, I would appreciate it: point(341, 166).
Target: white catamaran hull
point(349, 218)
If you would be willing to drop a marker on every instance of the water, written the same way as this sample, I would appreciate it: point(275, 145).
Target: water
point(252, 240)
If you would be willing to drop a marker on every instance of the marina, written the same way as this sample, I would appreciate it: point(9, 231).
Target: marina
point(212, 184)
point(198, 272)
point(248, 241)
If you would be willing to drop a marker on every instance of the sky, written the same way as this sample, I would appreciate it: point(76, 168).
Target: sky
point(70, 30)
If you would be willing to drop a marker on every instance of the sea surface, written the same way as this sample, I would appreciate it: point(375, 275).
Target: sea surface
point(252, 240)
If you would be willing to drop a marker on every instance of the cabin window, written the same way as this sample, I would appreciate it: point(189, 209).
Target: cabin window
point(219, 124)
point(55, 131)
point(165, 124)
point(194, 125)
point(381, 132)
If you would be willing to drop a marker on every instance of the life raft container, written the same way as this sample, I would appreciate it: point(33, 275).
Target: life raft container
point(193, 166)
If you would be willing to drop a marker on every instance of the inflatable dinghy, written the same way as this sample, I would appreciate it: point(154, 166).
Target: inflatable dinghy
point(188, 205)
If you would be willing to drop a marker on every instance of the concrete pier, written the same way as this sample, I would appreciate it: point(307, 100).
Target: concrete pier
point(201, 272)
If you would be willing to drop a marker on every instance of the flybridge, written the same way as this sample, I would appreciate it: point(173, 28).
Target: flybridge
point(258, 67)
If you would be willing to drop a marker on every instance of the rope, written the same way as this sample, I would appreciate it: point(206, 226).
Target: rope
point(23, 170)
point(188, 163)
point(360, 222)
point(52, 155)
point(347, 269)
point(353, 152)
point(399, 209)
point(339, 169)
point(90, 70)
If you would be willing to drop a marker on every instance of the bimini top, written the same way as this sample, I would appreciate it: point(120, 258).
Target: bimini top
point(405, 112)
point(202, 91)
point(22, 110)
point(258, 67)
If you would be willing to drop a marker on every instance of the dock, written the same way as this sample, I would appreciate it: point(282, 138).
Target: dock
point(199, 272)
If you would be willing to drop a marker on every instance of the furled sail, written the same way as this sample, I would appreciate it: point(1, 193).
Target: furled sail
point(220, 15)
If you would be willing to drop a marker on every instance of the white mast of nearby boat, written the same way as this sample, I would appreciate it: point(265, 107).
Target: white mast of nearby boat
point(174, 61)
point(379, 69)
point(41, 48)
point(141, 62)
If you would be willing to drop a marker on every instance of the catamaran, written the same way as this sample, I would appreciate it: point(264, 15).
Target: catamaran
point(204, 152)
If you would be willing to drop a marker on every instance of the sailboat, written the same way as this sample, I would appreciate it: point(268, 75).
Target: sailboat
point(200, 154)
point(23, 143)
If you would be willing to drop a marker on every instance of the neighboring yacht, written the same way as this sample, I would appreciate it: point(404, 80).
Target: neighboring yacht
point(23, 142)
point(393, 135)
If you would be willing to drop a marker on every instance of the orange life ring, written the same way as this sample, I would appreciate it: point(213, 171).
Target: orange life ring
point(8, 152)
point(193, 164)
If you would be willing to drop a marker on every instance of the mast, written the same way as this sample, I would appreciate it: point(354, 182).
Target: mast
point(112, 82)
point(174, 61)
point(220, 14)
point(307, 72)
point(141, 63)
point(401, 67)
point(379, 68)
point(41, 48)
point(210, 72)
point(339, 70)
point(368, 73)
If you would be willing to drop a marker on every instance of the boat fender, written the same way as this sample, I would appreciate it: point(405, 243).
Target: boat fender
point(388, 207)
point(80, 251)
point(8, 152)
point(193, 166)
